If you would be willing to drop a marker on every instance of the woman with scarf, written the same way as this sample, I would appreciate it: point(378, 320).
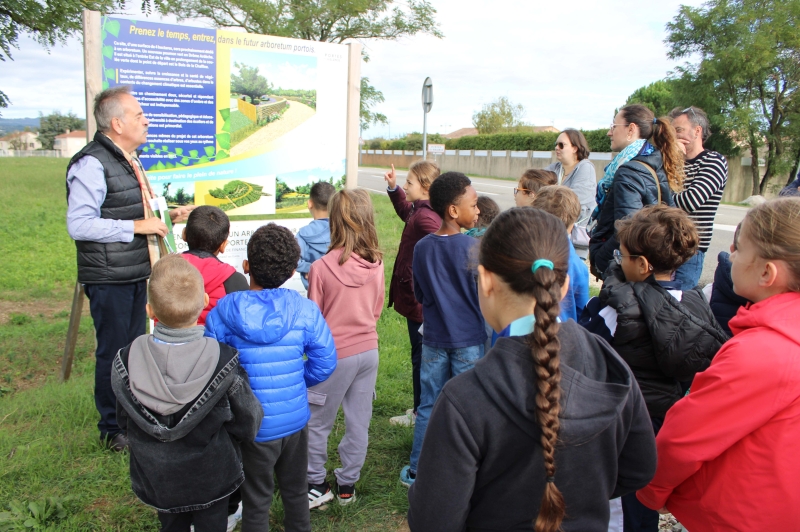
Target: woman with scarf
point(647, 169)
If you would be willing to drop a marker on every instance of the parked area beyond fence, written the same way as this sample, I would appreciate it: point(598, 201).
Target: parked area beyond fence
point(511, 164)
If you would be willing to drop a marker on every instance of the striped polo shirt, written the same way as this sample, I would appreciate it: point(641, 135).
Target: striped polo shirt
point(706, 176)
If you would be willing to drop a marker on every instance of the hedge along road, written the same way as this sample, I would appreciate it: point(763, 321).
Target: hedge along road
point(296, 114)
point(502, 191)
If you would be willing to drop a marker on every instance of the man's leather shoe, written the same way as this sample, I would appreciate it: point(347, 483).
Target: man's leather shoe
point(118, 443)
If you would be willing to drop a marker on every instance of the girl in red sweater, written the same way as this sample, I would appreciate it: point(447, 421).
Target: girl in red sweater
point(727, 453)
point(348, 286)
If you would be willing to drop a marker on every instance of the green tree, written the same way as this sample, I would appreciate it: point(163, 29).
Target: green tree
point(327, 21)
point(498, 115)
point(249, 82)
point(370, 96)
point(659, 97)
point(56, 124)
point(748, 59)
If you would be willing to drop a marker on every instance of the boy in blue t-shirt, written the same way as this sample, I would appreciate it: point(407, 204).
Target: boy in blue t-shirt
point(445, 285)
point(315, 238)
point(563, 203)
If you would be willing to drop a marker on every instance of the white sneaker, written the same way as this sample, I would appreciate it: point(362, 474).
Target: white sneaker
point(406, 420)
point(234, 518)
point(319, 494)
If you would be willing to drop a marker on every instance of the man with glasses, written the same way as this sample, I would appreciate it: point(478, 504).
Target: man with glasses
point(706, 176)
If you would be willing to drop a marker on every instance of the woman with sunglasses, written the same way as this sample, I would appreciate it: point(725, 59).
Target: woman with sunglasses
point(575, 171)
point(647, 169)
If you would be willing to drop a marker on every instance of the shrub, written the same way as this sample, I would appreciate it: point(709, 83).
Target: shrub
point(545, 141)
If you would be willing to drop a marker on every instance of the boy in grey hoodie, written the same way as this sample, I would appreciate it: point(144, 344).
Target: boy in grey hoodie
point(190, 404)
point(315, 238)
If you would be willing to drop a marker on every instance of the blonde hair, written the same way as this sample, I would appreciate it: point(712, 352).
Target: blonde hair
point(774, 229)
point(426, 172)
point(176, 292)
point(353, 226)
point(560, 201)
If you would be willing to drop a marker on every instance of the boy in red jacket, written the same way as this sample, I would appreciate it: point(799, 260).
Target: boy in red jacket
point(206, 233)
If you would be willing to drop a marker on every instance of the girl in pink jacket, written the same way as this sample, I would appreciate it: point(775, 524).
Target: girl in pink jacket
point(727, 453)
point(348, 286)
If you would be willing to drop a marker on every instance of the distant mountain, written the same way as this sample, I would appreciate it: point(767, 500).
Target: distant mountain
point(8, 125)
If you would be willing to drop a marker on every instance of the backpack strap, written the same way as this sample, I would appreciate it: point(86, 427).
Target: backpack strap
point(655, 177)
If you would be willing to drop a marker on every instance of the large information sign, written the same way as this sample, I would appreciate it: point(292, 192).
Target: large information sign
point(240, 121)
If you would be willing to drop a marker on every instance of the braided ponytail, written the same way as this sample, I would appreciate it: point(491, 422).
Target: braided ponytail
point(544, 345)
point(529, 250)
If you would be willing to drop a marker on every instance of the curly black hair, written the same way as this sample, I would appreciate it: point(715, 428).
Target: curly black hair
point(272, 253)
point(446, 190)
point(207, 228)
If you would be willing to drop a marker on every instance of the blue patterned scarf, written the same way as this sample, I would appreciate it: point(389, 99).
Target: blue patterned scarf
point(604, 185)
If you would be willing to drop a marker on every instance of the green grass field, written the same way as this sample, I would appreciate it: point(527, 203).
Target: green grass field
point(48, 436)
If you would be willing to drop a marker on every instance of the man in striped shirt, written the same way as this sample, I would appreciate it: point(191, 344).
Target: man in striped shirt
point(706, 176)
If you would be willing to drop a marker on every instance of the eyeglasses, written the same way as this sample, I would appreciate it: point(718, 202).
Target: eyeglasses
point(521, 190)
point(560, 145)
point(613, 125)
point(618, 256)
point(687, 110)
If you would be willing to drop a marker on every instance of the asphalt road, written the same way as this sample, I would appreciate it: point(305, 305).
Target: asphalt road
point(501, 190)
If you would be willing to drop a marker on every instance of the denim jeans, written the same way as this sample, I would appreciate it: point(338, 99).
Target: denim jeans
point(691, 270)
point(439, 365)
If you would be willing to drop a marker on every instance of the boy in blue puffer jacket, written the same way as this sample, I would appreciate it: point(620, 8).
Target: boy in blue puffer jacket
point(273, 328)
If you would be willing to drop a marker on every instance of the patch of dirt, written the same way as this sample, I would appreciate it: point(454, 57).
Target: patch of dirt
point(48, 308)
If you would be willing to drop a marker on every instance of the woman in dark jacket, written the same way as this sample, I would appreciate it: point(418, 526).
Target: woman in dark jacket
point(648, 152)
point(412, 204)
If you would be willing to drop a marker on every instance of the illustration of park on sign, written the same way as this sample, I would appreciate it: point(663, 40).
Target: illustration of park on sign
point(271, 94)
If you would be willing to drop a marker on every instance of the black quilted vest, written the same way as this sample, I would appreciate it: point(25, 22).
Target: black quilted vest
point(117, 262)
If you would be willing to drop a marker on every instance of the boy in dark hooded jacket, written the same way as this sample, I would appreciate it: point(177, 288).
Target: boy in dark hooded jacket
point(665, 334)
point(186, 403)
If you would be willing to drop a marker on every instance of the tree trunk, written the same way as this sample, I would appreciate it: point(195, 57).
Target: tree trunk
point(754, 168)
point(795, 166)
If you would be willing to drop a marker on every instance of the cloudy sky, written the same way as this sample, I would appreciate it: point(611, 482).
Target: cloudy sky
point(570, 64)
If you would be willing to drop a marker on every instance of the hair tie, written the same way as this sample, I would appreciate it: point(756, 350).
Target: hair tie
point(551, 480)
point(541, 262)
point(655, 120)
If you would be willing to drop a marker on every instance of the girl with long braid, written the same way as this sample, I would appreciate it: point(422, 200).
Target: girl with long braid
point(550, 424)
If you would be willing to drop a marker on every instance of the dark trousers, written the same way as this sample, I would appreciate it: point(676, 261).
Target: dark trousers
point(211, 519)
point(119, 318)
point(288, 459)
point(636, 517)
point(416, 357)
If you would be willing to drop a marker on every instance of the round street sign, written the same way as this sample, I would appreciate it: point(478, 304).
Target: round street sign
point(427, 95)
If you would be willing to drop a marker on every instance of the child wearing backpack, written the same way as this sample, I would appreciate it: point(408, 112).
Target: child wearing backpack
point(348, 286)
point(444, 284)
point(665, 334)
point(727, 453)
point(550, 424)
point(412, 204)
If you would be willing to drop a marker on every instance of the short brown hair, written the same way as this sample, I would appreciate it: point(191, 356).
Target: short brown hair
point(353, 225)
point(426, 172)
point(560, 201)
point(577, 139)
point(665, 236)
point(489, 209)
point(320, 194)
point(533, 179)
point(774, 229)
point(176, 292)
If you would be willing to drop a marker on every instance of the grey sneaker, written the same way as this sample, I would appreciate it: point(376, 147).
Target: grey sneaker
point(406, 420)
